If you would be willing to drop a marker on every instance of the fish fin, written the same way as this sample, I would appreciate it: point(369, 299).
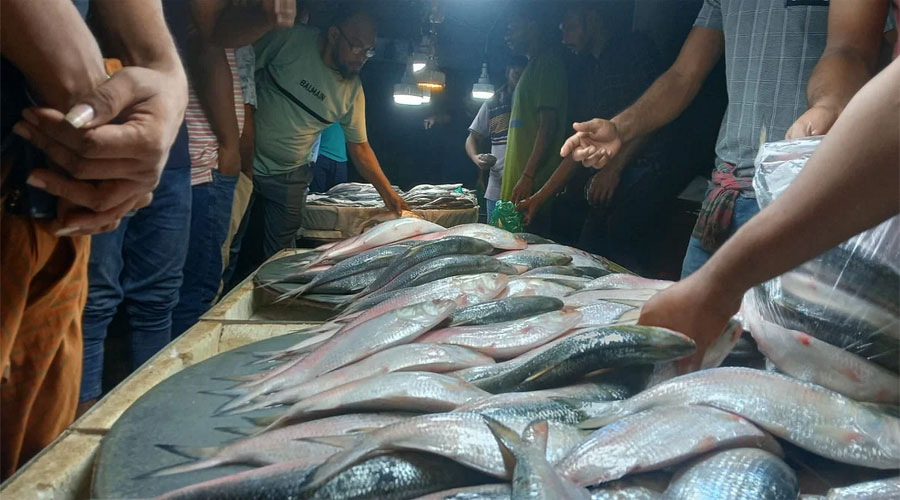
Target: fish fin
point(540, 373)
point(536, 433)
point(338, 463)
point(343, 441)
point(238, 378)
point(192, 452)
point(508, 441)
point(629, 316)
point(182, 468)
point(263, 421)
point(231, 393)
point(234, 404)
point(234, 430)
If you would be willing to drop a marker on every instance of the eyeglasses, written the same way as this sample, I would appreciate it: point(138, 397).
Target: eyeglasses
point(355, 49)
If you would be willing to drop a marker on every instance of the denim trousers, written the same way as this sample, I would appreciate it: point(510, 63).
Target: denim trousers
point(696, 256)
point(210, 216)
point(327, 173)
point(138, 265)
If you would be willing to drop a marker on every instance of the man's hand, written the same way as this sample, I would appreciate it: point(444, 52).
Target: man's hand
point(603, 186)
point(113, 167)
point(394, 202)
point(816, 121)
point(523, 188)
point(695, 307)
point(594, 143)
point(530, 205)
point(229, 160)
point(485, 161)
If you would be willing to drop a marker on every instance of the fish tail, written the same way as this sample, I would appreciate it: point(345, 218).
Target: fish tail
point(187, 467)
point(339, 462)
point(242, 400)
point(263, 421)
point(192, 452)
point(508, 441)
point(239, 431)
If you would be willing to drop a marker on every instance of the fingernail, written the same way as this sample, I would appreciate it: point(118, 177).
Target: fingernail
point(67, 231)
point(80, 115)
point(29, 116)
point(22, 131)
point(35, 182)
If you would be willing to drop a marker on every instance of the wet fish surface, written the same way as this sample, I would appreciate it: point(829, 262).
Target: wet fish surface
point(738, 474)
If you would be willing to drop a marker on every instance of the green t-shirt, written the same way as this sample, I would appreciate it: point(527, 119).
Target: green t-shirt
point(298, 96)
point(543, 85)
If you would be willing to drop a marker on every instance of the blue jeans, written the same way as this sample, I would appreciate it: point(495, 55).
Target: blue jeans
point(139, 264)
point(327, 173)
point(489, 206)
point(696, 256)
point(210, 216)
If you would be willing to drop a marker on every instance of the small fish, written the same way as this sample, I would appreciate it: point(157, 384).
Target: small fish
point(450, 245)
point(500, 491)
point(543, 405)
point(619, 281)
point(382, 234)
point(463, 437)
point(658, 438)
point(712, 358)
point(738, 474)
point(603, 313)
point(532, 476)
point(533, 239)
point(626, 296)
point(557, 270)
point(397, 391)
point(575, 282)
point(580, 258)
point(280, 445)
point(827, 423)
point(391, 328)
point(568, 358)
point(528, 287)
point(501, 310)
point(498, 238)
point(376, 258)
point(446, 266)
point(509, 339)
point(406, 357)
point(531, 259)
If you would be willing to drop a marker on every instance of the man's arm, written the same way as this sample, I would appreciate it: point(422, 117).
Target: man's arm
point(53, 48)
point(597, 141)
point(554, 184)
point(540, 150)
point(367, 165)
point(851, 183)
point(848, 62)
point(214, 84)
point(475, 148)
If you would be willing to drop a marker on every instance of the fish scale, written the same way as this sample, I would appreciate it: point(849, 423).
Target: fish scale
point(657, 438)
point(810, 416)
point(739, 474)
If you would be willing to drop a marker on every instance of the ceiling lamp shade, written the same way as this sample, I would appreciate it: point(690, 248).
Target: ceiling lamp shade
point(431, 79)
point(407, 92)
point(483, 90)
point(426, 96)
point(419, 61)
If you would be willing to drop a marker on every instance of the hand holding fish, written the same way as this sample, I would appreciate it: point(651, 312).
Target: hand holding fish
point(696, 307)
point(594, 144)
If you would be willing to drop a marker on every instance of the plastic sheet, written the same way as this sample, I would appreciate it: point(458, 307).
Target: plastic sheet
point(847, 298)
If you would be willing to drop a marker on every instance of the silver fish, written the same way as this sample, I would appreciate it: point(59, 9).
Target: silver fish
point(406, 357)
point(501, 310)
point(881, 489)
point(398, 391)
point(526, 287)
point(626, 281)
point(507, 340)
point(532, 476)
point(531, 259)
point(738, 474)
point(498, 238)
point(603, 313)
point(446, 266)
point(658, 438)
point(391, 328)
point(463, 437)
point(499, 491)
point(450, 245)
point(376, 258)
point(827, 423)
point(280, 445)
point(627, 296)
point(382, 234)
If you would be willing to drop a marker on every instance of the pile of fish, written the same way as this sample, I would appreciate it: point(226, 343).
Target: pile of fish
point(423, 196)
point(471, 363)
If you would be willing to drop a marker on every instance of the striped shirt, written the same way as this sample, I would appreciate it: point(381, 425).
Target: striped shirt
point(204, 146)
point(771, 48)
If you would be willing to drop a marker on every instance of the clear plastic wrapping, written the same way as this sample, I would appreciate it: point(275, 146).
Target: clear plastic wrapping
point(848, 297)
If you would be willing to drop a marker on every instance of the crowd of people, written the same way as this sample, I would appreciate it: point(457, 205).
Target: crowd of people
point(154, 151)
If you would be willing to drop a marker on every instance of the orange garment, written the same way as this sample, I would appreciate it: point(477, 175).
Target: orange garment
point(43, 288)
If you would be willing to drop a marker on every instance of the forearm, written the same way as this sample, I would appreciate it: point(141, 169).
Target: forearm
point(836, 78)
point(849, 184)
point(213, 82)
point(65, 64)
point(368, 167)
point(540, 149)
point(472, 148)
point(558, 180)
point(136, 33)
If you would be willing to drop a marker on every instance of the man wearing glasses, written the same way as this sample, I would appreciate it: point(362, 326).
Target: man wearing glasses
point(308, 79)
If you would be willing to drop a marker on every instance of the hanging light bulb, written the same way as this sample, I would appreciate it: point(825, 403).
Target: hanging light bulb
point(483, 90)
point(431, 78)
point(407, 92)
